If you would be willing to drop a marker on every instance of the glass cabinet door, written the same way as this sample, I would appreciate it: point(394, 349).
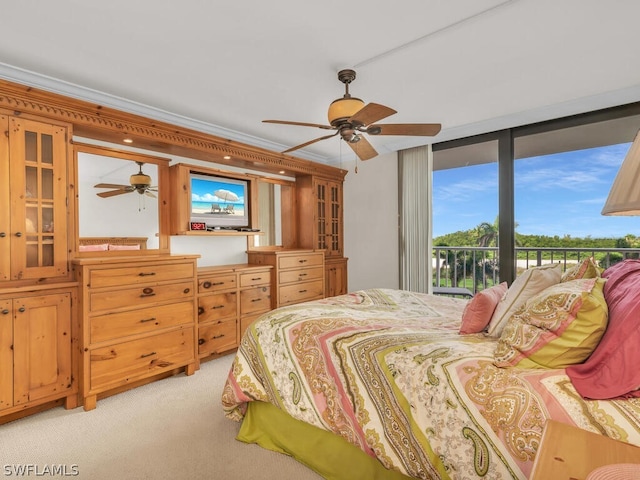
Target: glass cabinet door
point(38, 198)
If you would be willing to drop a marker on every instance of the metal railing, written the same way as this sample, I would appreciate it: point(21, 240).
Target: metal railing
point(476, 268)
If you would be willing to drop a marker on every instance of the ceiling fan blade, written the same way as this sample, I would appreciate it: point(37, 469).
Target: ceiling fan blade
point(414, 129)
point(371, 112)
point(109, 185)
point(310, 142)
point(148, 193)
point(112, 193)
point(363, 149)
point(301, 124)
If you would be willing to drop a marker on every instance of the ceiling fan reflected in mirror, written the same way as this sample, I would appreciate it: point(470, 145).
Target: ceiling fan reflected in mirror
point(138, 182)
point(351, 118)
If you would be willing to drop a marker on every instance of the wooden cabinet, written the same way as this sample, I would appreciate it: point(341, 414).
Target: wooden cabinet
point(567, 452)
point(36, 348)
point(335, 276)
point(320, 218)
point(298, 274)
point(33, 199)
point(230, 297)
point(320, 211)
point(138, 320)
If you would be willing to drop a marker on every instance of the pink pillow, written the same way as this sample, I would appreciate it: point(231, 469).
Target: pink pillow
point(123, 247)
point(612, 369)
point(101, 247)
point(478, 312)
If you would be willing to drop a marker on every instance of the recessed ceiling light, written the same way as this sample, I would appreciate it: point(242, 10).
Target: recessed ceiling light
point(227, 157)
point(282, 172)
point(127, 140)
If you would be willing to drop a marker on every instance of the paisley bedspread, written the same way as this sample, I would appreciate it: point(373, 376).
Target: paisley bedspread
point(388, 371)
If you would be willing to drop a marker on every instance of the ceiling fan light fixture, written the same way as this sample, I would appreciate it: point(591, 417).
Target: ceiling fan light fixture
point(140, 180)
point(342, 109)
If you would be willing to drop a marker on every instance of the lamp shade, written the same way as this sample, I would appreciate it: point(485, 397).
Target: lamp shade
point(624, 197)
point(343, 108)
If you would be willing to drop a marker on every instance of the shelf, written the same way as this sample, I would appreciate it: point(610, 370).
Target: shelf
point(220, 233)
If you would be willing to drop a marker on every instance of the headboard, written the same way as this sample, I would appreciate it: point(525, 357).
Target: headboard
point(103, 244)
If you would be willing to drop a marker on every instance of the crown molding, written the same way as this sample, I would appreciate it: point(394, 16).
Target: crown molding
point(68, 89)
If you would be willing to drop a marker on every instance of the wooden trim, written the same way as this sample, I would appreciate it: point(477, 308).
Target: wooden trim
point(111, 125)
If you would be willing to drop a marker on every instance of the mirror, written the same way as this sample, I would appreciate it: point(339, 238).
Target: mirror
point(275, 213)
point(124, 208)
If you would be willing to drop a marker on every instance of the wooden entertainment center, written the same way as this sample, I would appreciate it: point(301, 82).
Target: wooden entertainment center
point(105, 320)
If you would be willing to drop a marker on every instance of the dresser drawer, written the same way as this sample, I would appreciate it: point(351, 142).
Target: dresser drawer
point(217, 306)
point(216, 283)
point(254, 300)
point(139, 296)
point(301, 275)
point(126, 362)
point(254, 279)
point(116, 277)
point(301, 292)
point(302, 260)
point(217, 338)
point(141, 320)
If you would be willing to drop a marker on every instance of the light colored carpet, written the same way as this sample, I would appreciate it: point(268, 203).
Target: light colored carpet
point(170, 429)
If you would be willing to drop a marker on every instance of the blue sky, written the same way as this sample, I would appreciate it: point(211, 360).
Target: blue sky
point(560, 194)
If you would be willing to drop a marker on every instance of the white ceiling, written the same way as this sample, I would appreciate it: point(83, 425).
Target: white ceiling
point(223, 67)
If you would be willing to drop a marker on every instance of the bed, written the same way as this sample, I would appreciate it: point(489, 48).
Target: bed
point(388, 384)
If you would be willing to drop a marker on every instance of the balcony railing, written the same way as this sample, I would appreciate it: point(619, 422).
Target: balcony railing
point(476, 268)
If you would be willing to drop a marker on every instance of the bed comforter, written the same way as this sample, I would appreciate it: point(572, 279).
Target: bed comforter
point(388, 371)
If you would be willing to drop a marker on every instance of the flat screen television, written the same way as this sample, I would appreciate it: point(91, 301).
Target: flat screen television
point(219, 202)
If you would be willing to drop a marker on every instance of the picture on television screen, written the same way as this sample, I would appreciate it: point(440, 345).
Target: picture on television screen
point(219, 201)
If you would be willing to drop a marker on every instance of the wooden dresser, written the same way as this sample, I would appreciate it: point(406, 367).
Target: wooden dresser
point(298, 274)
point(230, 297)
point(138, 320)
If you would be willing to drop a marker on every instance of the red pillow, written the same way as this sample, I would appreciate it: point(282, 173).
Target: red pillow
point(477, 314)
point(612, 369)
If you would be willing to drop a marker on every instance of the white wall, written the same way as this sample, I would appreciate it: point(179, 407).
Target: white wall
point(371, 223)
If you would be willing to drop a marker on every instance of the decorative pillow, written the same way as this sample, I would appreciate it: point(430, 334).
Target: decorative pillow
point(558, 327)
point(587, 268)
point(525, 286)
point(478, 312)
point(612, 370)
point(101, 247)
point(123, 247)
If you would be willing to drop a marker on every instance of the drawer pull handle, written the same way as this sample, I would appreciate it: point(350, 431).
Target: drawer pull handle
point(186, 290)
point(302, 291)
point(147, 292)
point(3, 234)
point(255, 279)
point(218, 283)
point(5, 311)
point(206, 284)
point(216, 307)
point(302, 260)
point(22, 309)
point(256, 299)
point(201, 341)
point(303, 275)
point(142, 274)
point(144, 355)
point(215, 337)
point(200, 310)
point(145, 320)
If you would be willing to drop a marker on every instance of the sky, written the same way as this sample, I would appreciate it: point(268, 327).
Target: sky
point(560, 194)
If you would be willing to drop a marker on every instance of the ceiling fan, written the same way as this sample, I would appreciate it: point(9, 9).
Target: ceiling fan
point(138, 182)
point(350, 117)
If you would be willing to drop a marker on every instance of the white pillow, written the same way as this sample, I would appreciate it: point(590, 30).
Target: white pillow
point(525, 286)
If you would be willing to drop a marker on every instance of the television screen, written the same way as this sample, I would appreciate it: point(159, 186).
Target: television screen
point(220, 202)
